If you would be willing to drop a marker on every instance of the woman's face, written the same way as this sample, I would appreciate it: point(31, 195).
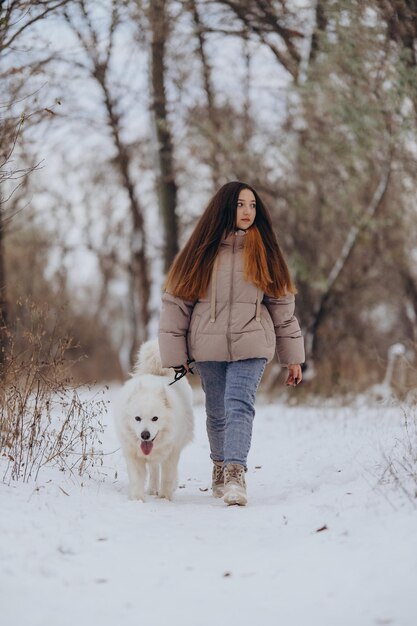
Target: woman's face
point(246, 209)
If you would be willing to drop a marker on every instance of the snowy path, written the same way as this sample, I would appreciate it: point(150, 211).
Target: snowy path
point(93, 557)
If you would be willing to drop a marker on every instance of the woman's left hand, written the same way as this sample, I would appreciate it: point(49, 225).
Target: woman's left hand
point(295, 375)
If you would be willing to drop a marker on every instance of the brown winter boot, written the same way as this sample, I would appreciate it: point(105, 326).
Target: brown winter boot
point(234, 484)
point(217, 482)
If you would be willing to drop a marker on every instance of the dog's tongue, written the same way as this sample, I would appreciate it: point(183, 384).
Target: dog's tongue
point(146, 447)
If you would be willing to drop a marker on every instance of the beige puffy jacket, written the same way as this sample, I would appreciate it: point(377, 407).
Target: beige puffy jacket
point(234, 321)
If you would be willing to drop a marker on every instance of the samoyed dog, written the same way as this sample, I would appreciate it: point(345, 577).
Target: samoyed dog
point(154, 422)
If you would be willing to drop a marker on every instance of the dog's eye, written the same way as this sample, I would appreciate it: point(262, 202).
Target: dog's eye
point(137, 418)
point(155, 418)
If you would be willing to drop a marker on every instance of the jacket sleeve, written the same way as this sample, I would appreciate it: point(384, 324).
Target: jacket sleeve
point(290, 343)
point(174, 322)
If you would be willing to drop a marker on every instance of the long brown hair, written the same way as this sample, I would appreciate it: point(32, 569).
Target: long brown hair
point(265, 266)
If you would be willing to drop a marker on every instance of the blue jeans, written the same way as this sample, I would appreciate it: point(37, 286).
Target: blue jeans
point(230, 390)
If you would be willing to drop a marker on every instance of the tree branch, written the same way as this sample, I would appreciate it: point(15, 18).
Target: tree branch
point(4, 44)
point(346, 252)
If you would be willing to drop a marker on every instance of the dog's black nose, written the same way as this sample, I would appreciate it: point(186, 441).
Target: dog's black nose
point(145, 435)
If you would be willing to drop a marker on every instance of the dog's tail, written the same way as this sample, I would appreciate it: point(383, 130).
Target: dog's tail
point(149, 360)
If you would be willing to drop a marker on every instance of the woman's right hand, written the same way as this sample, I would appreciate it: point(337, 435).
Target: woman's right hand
point(295, 375)
point(180, 368)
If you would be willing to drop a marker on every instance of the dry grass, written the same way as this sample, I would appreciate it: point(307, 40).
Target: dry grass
point(401, 462)
point(45, 418)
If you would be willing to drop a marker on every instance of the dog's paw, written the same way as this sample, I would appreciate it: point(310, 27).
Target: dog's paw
point(136, 495)
point(166, 495)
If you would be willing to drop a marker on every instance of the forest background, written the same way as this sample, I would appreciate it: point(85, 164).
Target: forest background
point(118, 121)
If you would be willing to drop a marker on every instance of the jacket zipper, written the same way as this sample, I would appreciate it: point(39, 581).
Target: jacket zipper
point(228, 335)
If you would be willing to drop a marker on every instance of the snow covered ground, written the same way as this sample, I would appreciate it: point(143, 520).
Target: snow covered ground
point(77, 555)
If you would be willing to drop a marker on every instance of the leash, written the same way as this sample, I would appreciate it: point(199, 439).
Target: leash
point(181, 371)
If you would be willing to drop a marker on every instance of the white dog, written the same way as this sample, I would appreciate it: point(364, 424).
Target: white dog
point(154, 422)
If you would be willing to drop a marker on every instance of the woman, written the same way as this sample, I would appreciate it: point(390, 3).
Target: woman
point(229, 305)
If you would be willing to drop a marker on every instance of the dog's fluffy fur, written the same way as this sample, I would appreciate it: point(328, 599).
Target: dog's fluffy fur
point(154, 422)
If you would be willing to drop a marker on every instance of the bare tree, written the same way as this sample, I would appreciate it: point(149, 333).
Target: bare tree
point(347, 189)
point(345, 254)
point(275, 25)
point(212, 111)
point(167, 186)
point(97, 66)
point(16, 18)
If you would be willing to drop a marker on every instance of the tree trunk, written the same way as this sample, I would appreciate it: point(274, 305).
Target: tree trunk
point(167, 187)
point(319, 29)
point(410, 290)
point(215, 130)
point(3, 296)
point(139, 266)
point(139, 279)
